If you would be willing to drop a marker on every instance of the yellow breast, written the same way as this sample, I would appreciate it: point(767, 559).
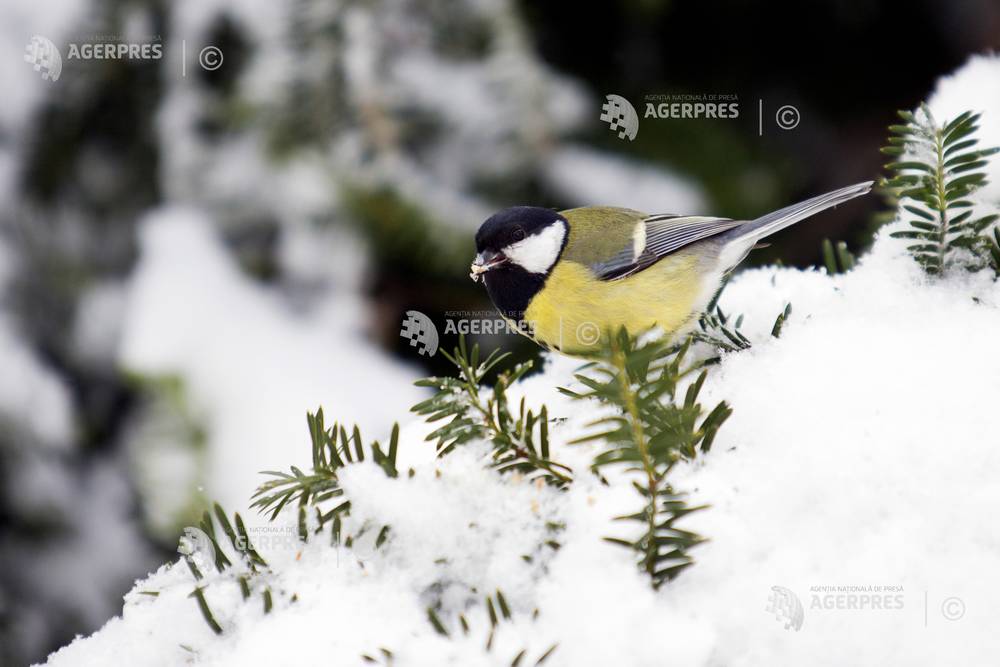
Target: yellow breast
point(575, 310)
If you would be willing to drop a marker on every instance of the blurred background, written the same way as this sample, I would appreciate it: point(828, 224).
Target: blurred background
point(198, 248)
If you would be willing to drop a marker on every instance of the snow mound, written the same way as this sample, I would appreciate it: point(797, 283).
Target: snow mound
point(858, 464)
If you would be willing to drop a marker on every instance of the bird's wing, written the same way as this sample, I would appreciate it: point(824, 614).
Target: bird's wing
point(616, 243)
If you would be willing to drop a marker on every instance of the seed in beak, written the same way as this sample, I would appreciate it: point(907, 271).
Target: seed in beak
point(486, 261)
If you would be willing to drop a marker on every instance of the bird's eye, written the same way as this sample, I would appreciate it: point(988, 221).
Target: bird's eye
point(518, 234)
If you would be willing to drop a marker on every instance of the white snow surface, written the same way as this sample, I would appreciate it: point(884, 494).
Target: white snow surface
point(252, 364)
point(862, 452)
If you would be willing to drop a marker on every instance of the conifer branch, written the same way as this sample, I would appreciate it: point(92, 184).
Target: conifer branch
point(936, 168)
point(651, 433)
point(498, 612)
point(332, 450)
point(249, 566)
point(519, 443)
point(714, 328)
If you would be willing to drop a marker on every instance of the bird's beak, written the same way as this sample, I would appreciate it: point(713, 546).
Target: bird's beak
point(486, 261)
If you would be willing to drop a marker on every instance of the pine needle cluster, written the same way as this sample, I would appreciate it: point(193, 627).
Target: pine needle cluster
point(332, 450)
point(245, 568)
point(520, 440)
point(937, 166)
point(499, 613)
point(653, 428)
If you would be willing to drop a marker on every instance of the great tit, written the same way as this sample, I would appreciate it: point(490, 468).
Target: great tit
point(566, 279)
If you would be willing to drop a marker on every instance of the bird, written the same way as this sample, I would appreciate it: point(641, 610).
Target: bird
point(569, 279)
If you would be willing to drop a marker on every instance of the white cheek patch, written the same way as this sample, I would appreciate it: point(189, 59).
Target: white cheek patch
point(538, 252)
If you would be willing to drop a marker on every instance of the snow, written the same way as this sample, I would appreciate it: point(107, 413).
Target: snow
point(34, 402)
point(99, 313)
point(251, 364)
point(861, 453)
point(873, 466)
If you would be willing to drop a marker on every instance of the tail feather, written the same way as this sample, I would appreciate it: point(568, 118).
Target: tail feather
point(766, 225)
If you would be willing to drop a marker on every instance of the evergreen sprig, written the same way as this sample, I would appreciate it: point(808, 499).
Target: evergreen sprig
point(715, 329)
point(720, 331)
point(520, 442)
point(993, 248)
point(779, 321)
point(936, 168)
point(649, 433)
point(837, 258)
point(332, 450)
point(714, 326)
point(245, 572)
point(498, 611)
